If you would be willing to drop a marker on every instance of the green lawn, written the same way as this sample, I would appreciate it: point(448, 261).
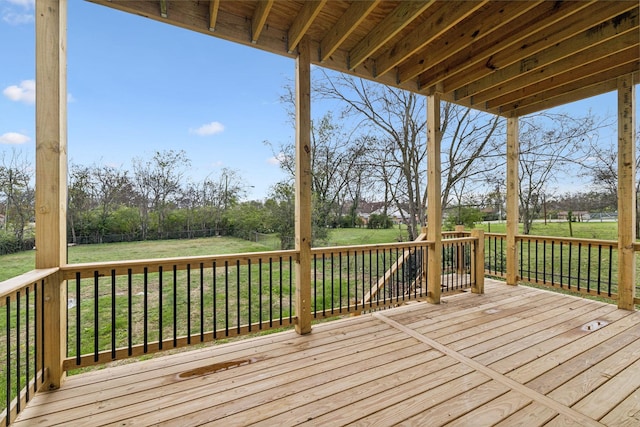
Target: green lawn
point(16, 264)
point(582, 230)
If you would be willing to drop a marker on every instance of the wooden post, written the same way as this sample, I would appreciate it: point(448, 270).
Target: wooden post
point(626, 192)
point(513, 149)
point(434, 203)
point(477, 261)
point(303, 187)
point(51, 175)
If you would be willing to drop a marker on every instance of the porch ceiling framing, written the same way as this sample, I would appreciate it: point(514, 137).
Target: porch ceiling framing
point(470, 50)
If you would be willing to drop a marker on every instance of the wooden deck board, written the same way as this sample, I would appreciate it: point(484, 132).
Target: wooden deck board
point(514, 356)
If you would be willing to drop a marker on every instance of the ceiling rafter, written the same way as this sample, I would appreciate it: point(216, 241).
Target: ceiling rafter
point(595, 67)
point(569, 93)
point(435, 25)
point(349, 21)
point(543, 16)
point(557, 68)
point(303, 21)
point(480, 25)
point(214, 5)
point(553, 41)
point(564, 98)
point(391, 25)
point(546, 62)
point(260, 18)
point(590, 40)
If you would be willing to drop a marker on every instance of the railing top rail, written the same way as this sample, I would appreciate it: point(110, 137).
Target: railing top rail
point(602, 242)
point(182, 262)
point(378, 246)
point(456, 240)
point(9, 287)
point(558, 239)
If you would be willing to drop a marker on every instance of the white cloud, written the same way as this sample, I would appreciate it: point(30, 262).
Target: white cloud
point(277, 159)
point(24, 92)
point(70, 98)
point(13, 138)
point(27, 4)
point(208, 129)
point(14, 18)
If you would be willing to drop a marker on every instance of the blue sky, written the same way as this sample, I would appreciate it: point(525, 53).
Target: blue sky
point(136, 86)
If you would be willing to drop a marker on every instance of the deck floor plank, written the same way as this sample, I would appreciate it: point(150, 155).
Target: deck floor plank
point(515, 356)
point(534, 342)
point(626, 414)
point(612, 392)
point(235, 381)
point(369, 397)
point(606, 354)
point(533, 415)
point(308, 346)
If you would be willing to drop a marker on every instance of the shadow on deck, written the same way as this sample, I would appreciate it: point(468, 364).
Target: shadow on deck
point(513, 356)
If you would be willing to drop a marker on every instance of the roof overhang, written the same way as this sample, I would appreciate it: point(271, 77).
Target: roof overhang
point(504, 57)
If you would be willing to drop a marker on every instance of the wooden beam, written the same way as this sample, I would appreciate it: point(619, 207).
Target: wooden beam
point(260, 18)
point(51, 174)
point(302, 22)
point(565, 98)
point(478, 52)
point(349, 21)
point(610, 51)
point(303, 187)
point(214, 5)
point(573, 46)
point(163, 8)
point(434, 201)
point(609, 67)
point(480, 24)
point(391, 25)
point(513, 149)
point(626, 192)
point(437, 23)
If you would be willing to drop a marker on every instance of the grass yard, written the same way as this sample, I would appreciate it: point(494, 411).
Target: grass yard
point(581, 230)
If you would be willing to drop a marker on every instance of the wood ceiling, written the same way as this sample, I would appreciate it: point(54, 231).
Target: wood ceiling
point(505, 57)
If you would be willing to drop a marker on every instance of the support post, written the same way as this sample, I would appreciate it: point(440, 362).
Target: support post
point(513, 153)
point(477, 261)
point(303, 187)
point(434, 203)
point(51, 175)
point(626, 192)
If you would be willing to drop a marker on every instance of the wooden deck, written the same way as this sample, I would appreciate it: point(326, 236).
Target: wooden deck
point(513, 356)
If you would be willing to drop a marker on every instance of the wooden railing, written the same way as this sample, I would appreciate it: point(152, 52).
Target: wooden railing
point(352, 279)
point(22, 340)
point(586, 266)
point(124, 309)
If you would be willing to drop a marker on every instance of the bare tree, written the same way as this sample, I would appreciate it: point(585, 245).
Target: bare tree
point(157, 182)
point(549, 144)
point(396, 120)
point(17, 192)
point(335, 166)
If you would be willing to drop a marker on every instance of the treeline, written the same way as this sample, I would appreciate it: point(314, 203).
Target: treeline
point(157, 200)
